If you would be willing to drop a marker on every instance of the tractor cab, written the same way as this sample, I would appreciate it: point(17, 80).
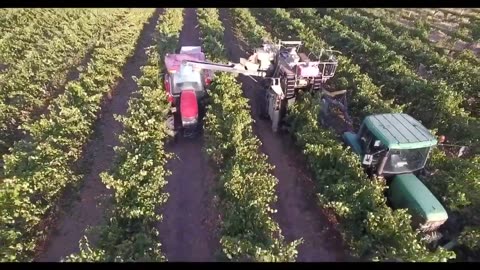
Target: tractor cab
point(391, 144)
point(181, 77)
point(396, 146)
point(185, 87)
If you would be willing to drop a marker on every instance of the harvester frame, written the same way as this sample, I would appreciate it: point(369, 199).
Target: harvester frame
point(288, 70)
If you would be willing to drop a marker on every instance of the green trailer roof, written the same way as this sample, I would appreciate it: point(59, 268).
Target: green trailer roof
point(399, 131)
point(407, 191)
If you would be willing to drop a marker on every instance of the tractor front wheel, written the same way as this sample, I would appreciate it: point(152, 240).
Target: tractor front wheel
point(170, 123)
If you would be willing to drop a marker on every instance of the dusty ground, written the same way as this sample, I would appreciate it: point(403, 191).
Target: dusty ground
point(441, 31)
point(436, 36)
point(89, 210)
point(298, 213)
point(188, 230)
point(440, 34)
point(3, 67)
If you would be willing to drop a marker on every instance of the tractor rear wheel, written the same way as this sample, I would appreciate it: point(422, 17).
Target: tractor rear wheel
point(262, 105)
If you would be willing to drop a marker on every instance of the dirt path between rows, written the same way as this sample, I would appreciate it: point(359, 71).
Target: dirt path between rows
point(90, 209)
point(189, 226)
point(298, 213)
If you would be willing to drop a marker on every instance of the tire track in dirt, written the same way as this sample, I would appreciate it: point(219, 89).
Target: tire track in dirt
point(188, 229)
point(298, 212)
point(89, 211)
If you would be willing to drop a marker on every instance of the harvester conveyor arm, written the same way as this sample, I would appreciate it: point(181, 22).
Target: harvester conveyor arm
point(233, 68)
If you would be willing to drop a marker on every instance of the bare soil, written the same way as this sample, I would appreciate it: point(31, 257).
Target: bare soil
point(3, 67)
point(299, 215)
point(89, 210)
point(442, 30)
point(436, 36)
point(188, 232)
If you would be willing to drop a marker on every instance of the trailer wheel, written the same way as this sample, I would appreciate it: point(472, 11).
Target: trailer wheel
point(262, 105)
point(323, 112)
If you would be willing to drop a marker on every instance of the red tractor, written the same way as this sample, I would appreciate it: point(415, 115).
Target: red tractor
point(185, 87)
point(188, 75)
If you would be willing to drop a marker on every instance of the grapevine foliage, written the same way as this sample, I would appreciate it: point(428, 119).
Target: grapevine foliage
point(36, 61)
point(40, 167)
point(462, 76)
point(248, 188)
point(370, 227)
point(434, 103)
point(364, 96)
point(139, 174)
point(456, 180)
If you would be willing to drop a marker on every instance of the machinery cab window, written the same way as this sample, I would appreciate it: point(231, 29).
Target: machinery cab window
point(406, 160)
point(371, 145)
point(186, 86)
point(186, 82)
point(367, 140)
